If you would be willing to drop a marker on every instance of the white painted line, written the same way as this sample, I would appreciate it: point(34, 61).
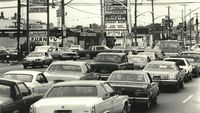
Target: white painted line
point(187, 99)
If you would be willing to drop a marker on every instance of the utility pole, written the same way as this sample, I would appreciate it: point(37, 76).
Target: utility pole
point(63, 21)
point(103, 40)
point(153, 26)
point(47, 22)
point(135, 25)
point(169, 26)
point(27, 26)
point(18, 24)
point(190, 30)
point(197, 28)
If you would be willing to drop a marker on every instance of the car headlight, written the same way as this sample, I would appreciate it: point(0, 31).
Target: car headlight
point(171, 77)
point(32, 109)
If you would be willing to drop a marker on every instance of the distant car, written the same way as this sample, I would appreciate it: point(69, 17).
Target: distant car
point(76, 48)
point(166, 73)
point(16, 97)
point(138, 85)
point(63, 53)
point(37, 59)
point(139, 61)
point(35, 80)
point(152, 55)
point(81, 97)
point(195, 54)
point(4, 54)
point(184, 64)
point(70, 70)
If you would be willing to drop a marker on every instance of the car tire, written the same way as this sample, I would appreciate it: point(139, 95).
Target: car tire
point(25, 66)
point(125, 110)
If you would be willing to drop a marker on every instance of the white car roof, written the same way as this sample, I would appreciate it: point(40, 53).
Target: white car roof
point(23, 72)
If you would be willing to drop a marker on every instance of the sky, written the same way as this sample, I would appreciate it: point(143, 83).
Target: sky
point(76, 13)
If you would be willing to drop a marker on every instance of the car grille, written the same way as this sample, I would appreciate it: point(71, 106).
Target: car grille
point(63, 111)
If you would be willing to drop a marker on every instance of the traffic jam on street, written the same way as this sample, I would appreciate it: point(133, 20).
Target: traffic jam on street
point(115, 66)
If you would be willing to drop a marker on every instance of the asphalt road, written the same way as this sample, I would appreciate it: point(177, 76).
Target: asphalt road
point(186, 100)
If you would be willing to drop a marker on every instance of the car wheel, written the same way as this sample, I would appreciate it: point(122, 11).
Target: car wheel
point(124, 109)
point(25, 66)
point(181, 84)
point(147, 106)
point(60, 58)
point(190, 77)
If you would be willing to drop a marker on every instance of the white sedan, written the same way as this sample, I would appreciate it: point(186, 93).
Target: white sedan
point(81, 97)
point(35, 80)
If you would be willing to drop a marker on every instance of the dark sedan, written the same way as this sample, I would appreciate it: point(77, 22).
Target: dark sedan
point(139, 61)
point(138, 85)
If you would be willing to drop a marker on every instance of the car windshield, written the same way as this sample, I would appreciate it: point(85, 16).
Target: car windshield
point(136, 59)
point(179, 62)
point(64, 67)
point(108, 58)
point(4, 90)
point(35, 54)
point(21, 77)
point(127, 77)
point(153, 66)
point(73, 91)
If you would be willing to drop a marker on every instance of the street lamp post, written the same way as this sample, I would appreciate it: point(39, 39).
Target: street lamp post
point(18, 24)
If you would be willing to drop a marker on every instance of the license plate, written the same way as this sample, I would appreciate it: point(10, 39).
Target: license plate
point(156, 77)
point(63, 111)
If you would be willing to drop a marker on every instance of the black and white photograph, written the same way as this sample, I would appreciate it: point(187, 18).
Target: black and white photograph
point(99, 56)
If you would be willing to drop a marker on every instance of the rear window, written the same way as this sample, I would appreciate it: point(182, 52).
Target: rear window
point(73, 91)
point(127, 77)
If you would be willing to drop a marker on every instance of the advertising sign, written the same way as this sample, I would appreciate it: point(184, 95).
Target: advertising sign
point(115, 17)
point(39, 6)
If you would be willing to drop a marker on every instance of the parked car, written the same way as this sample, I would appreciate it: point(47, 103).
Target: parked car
point(70, 70)
point(35, 80)
point(4, 54)
point(139, 61)
point(138, 85)
point(184, 64)
point(16, 97)
point(37, 59)
point(166, 73)
point(106, 63)
point(81, 97)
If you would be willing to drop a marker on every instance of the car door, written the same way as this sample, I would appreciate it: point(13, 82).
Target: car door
point(153, 86)
point(43, 84)
point(115, 102)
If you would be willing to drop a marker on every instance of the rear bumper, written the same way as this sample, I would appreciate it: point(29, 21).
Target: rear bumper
point(33, 63)
point(138, 100)
point(166, 82)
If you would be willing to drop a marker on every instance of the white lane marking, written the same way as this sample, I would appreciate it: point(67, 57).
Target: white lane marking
point(187, 99)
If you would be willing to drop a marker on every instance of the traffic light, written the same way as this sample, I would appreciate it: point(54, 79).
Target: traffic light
point(185, 26)
point(58, 13)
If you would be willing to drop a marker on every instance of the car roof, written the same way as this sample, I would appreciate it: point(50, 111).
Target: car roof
point(112, 53)
point(130, 71)
point(190, 52)
point(9, 81)
point(162, 62)
point(69, 62)
point(176, 58)
point(80, 82)
point(143, 56)
point(23, 72)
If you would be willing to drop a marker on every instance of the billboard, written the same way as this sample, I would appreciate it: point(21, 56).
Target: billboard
point(115, 17)
point(38, 6)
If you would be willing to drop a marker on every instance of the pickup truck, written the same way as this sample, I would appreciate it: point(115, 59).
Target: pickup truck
point(91, 53)
point(16, 97)
point(106, 63)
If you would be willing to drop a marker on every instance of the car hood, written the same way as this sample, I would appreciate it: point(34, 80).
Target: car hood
point(58, 101)
point(5, 100)
point(67, 76)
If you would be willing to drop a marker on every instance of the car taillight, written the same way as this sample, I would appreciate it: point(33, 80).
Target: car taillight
point(140, 93)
